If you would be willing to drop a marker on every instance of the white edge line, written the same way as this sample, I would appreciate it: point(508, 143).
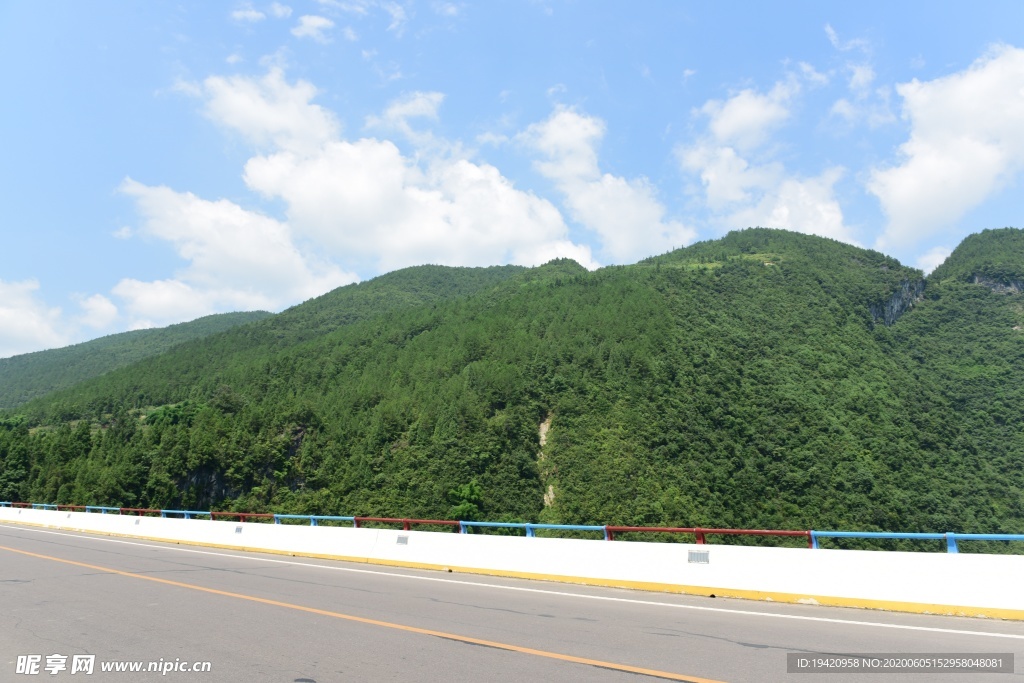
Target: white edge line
point(172, 545)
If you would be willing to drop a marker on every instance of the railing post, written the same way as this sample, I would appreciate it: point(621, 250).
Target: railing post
point(462, 527)
point(312, 521)
point(276, 520)
point(608, 535)
point(814, 540)
point(951, 543)
point(405, 525)
point(529, 531)
point(699, 533)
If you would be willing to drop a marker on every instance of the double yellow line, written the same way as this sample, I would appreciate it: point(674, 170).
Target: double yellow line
point(385, 624)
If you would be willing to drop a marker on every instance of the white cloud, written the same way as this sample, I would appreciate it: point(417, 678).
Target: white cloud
point(966, 143)
point(727, 177)
point(280, 11)
point(98, 312)
point(861, 78)
point(812, 75)
point(747, 118)
point(933, 258)
point(313, 26)
point(366, 204)
point(349, 34)
point(853, 44)
point(270, 111)
point(234, 58)
point(739, 193)
point(26, 322)
point(398, 16)
point(249, 14)
point(626, 214)
point(161, 302)
point(237, 259)
point(397, 116)
point(805, 205)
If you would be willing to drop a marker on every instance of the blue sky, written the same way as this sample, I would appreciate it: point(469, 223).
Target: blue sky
point(166, 160)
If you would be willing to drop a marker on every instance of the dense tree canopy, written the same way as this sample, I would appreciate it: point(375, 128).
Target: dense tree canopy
point(31, 375)
point(749, 381)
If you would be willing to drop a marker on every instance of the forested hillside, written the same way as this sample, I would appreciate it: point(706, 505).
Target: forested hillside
point(766, 379)
point(31, 375)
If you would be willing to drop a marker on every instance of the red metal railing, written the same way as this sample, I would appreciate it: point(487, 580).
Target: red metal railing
point(243, 516)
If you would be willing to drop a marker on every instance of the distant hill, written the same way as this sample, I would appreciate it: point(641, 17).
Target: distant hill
point(31, 375)
point(767, 379)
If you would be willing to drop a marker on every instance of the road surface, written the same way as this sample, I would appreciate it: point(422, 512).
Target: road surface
point(256, 618)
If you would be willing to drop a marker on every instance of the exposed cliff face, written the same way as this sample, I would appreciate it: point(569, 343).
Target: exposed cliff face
point(1005, 287)
point(901, 301)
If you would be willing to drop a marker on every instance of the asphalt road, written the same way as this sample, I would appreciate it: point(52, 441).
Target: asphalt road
point(259, 618)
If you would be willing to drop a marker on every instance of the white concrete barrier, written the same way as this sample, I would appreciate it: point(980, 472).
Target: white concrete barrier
point(937, 583)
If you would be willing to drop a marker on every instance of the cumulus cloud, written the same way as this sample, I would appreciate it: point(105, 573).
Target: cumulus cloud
point(966, 143)
point(26, 322)
point(366, 204)
point(625, 213)
point(269, 111)
point(802, 205)
point(98, 312)
point(314, 27)
point(739, 192)
point(727, 177)
point(237, 259)
point(933, 258)
point(746, 119)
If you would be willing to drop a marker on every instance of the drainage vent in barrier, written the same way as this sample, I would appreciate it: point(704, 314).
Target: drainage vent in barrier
point(403, 540)
point(698, 556)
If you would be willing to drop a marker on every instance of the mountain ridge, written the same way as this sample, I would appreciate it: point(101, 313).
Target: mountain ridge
point(751, 381)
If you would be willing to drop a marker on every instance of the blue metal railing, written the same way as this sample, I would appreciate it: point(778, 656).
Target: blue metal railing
point(103, 509)
point(531, 529)
point(187, 514)
point(949, 537)
point(313, 519)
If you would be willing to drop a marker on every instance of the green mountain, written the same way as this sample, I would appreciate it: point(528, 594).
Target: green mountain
point(767, 379)
point(31, 375)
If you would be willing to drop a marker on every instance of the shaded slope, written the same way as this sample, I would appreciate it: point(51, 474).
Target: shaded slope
point(193, 369)
point(31, 375)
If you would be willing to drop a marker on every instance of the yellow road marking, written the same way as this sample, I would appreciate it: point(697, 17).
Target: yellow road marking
point(386, 624)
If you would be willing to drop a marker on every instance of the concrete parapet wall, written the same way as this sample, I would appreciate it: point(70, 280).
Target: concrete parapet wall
point(938, 583)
